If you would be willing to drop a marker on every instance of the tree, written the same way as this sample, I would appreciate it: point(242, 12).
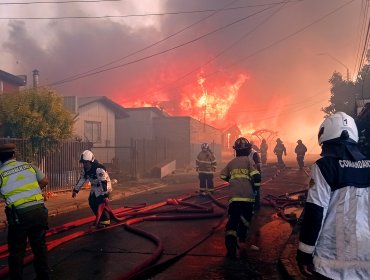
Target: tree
point(345, 93)
point(36, 114)
point(343, 96)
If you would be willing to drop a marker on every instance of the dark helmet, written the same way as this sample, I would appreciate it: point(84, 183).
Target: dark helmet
point(242, 144)
point(299, 141)
point(279, 140)
point(263, 140)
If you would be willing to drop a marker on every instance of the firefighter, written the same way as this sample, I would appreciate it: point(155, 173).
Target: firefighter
point(263, 148)
point(300, 150)
point(101, 186)
point(21, 185)
point(334, 241)
point(243, 180)
point(255, 158)
point(205, 166)
point(279, 150)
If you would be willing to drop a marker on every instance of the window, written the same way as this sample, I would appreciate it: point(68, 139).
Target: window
point(93, 131)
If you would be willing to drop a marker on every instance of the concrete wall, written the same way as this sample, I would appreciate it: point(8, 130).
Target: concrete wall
point(175, 131)
point(184, 136)
point(138, 126)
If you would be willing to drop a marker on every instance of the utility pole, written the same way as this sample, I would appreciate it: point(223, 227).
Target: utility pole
point(341, 63)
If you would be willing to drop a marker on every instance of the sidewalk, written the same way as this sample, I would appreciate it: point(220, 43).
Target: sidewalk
point(63, 202)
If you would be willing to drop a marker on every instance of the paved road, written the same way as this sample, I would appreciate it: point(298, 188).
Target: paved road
point(109, 253)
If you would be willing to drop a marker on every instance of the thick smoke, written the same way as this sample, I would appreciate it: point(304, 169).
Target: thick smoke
point(287, 81)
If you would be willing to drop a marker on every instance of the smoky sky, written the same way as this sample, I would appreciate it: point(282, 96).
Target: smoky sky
point(276, 44)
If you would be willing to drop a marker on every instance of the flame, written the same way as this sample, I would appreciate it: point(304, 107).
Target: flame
point(205, 101)
point(211, 104)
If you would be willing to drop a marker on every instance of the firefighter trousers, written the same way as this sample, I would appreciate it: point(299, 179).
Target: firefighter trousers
point(206, 182)
point(240, 216)
point(32, 225)
point(94, 203)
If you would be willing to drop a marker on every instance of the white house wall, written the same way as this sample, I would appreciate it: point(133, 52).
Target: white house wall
point(98, 112)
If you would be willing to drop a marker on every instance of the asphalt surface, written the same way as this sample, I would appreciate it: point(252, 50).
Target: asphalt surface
point(270, 248)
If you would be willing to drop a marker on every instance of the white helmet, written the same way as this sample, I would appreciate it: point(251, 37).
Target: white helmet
point(338, 125)
point(87, 156)
point(204, 146)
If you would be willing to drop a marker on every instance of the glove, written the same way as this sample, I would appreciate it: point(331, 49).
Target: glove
point(305, 263)
point(74, 193)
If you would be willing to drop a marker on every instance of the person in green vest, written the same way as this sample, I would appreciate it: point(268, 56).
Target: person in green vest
point(21, 185)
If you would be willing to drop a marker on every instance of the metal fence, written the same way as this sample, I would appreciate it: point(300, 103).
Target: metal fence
point(59, 162)
point(140, 159)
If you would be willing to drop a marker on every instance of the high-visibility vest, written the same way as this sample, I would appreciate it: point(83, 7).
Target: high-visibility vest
point(18, 183)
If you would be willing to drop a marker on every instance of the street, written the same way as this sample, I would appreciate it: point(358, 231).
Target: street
point(191, 236)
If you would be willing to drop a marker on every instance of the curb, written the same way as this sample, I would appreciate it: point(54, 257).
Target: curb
point(287, 260)
point(85, 204)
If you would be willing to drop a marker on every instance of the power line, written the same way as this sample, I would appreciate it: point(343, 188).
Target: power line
point(304, 101)
point(205, 35)
point(144, 15)
point(218, 54)
point(287, 112)
point(57, 2)
point(294, 33)
point(145, 48)
point(281, 40)
point(363, 55)
point(364, 17)
point(161, 52)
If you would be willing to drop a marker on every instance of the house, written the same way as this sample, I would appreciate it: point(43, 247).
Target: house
point(229, 135)
point(10, 82)
point(184, 136)
point(96, 122)
point(139, 125)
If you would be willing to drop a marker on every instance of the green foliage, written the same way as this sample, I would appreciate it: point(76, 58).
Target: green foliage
point(345, 93)
point(37, 115)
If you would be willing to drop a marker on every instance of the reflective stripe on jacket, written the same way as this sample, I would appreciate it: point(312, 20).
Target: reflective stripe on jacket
point(19, 184)
point(336, 223)
point(206, 162)
point(98, 178)
point(240, 173)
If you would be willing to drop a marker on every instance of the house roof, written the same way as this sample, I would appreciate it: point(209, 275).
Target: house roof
point(230, 128)
point(365, 112)
point(119, 111)
point(156, 110)
point(12, 79)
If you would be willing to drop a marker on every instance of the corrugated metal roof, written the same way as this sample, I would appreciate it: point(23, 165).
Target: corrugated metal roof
point(119, 111)
point(154, 109)
point(12, 79)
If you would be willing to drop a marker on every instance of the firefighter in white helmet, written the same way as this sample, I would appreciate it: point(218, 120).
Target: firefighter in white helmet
point(101, 186)
point(335, 235)
point(243, 180)
point(205, 166)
